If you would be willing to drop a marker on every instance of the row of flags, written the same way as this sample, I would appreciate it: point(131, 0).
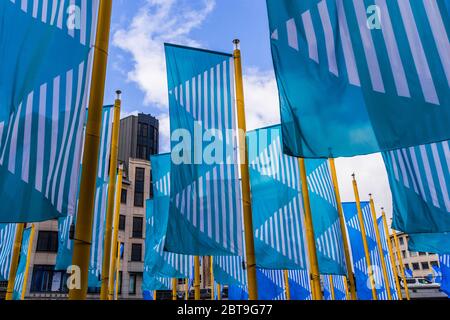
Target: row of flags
point(386, 91)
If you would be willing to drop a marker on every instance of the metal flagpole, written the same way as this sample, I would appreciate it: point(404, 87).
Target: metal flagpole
point(14, 260)
point(286, 285)
point(310, 238)
point(219, 292)
point(107, 247)
point(246, 198)
point(117, 264)
point(197, 278)
point(174, 289)
point(391, 255)
point(27, 267)
point(380, 248)
point(363, 235)
point(333, 294)
point(400, 262)
point(186, 289)
point(348, 262)
point(347, 292)
point(212, 278)
point(115, 247)
point(83, 230)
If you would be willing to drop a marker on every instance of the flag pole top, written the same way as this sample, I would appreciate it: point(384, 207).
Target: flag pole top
point(118, 93)
point(354, 176)
point(370, 196)
point(236, 43)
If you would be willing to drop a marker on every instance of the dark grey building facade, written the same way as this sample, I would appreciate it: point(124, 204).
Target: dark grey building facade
point(139, 137)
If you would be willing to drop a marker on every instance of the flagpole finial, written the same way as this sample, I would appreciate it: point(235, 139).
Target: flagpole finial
point(353, 176)
point(118, 93)
point(382, 208)
point(370, 195)
point(236, 43)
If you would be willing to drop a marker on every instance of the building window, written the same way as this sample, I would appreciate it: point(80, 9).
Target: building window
point(406, 266)
point(120, 283)
point(151, 185)
point(434, 263)
point(46, 279)
point(137, 227)
point(401, 241)
point(181, 281)
point(404, 253)
point(123, 196)
point(422, 253)
point(47, 241)
point(143, 129)
point(413, 254)
point(425, 265)
point(132, 287)
point(415, 266)
point(136, 252)
point(139, 187)
point(142, 152)
point(122, 220)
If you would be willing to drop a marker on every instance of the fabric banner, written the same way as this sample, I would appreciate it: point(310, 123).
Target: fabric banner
point(229, 270)
point(387, 259)
point(44, 85)
point(27, 240)
point(205, 216)
point(338, 287)
point(150, 283)
point(271, 285)
point(354, 79)
point(438, 243)
point(162, 263)
point(237, 293)
point(324, 210)
point(65, 246)
point(420, 182)
point(7, 236)
point(299, 285)
point(277, 204)
point(360, 263)
point(444, 261)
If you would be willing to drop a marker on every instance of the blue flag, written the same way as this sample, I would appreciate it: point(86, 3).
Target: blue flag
point(420, 182)
point(299, 285)
point(360, 264)
point(237, 293)
point(229, 270)
point(408, 273)
point(7, 235)
point(65, 246)
point(44, 84)
point(271, 284)
point(444, 261)
point(387, 258)
point(205, 207)
point(27, 240)
point(277, 204)
point(354, 83)
point(324, 210)
point(340, 292)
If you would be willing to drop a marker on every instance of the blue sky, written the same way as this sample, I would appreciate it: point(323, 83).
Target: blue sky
point(137, 67)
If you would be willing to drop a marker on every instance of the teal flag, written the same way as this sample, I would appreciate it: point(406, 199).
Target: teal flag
point(7, 235)
point(44, 85)
point(65, 245)
point(420, 183)
point(205, 216)
point(358, 77)
point(22, 266)
point(157, 261)
point(324, 210)
point(277, 204)
point(229, 270)
point(438, 243)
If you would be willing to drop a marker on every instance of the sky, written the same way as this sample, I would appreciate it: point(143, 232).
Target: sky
point(137, 67)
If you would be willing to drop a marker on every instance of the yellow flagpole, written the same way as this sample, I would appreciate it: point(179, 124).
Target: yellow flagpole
point(333, 294)
point(246, 199)
point(108, 249)
point(363, 235)
point(115, 247)
point(391, 255)
point(154, 294)
point(350, 277)
point(286, 285)
point(400, 262)
point(186, 289)
point(212, 278)
point(380, 248)
point(310, 238)
point(83, 230)
point(117, 264)
point(197, 277)
point(174, 289)
point(219, 292)
point(14, 260)
point(347, 292)
point(27, 267)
